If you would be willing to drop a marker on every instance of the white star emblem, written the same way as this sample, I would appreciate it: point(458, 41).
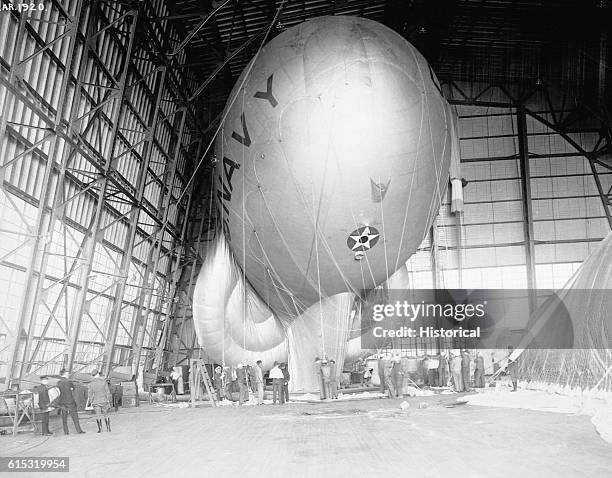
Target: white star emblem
point(363, 239)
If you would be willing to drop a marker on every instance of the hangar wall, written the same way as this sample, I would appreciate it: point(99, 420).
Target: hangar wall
point(486, 247)
point(96, 150)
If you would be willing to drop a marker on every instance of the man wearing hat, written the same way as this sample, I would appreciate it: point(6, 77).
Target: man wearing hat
point(326, 374)
point(43, 403)
point(66, 403)
point(319, 377)
point(99, 396)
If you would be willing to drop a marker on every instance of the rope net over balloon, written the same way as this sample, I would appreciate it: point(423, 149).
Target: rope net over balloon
point(332, 161)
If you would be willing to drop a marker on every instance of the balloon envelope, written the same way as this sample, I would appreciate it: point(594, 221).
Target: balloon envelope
point(331, 162)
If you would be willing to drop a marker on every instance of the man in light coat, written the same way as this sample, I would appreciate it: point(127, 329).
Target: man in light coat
point(333, 379)
point(479, 371)
point(455, 369)
point(99, 396)
point(319, 377)
point(276, 374)
point(259, 382)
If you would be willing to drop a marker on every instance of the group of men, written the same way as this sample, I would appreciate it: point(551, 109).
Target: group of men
point(98, 395)
point(251, 379)
point(326, 377)
point(452, 369)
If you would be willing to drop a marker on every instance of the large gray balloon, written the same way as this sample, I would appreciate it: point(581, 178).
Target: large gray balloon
point(335, 148)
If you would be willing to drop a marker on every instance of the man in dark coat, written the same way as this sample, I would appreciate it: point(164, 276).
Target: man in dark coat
point(43, 403)
point(285, 387)
point(66, 403)
point(397, 377)
point(513, 369)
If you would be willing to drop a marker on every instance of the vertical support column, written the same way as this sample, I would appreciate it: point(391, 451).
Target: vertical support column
point(188, 295)
point(435, 262)
point(55, 198)
point(94, 229)
point(46, 214)
point(143, 311)
point(603, 40)
point(523, 143)
point(126, 258)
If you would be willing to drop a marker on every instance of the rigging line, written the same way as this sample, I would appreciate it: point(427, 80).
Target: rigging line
point(230, 104)
point(268, 264)
point(244, 264)
point(221, 238)
point(412, 176)
point(273, 280)
point(316, 220)
point(355, 222)
point(280, 235)
point(448, 136)
point(324, 241)
point(287, 248)
point(384, 237)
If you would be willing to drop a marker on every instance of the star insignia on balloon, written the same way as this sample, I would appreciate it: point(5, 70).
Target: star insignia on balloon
point(363, 239)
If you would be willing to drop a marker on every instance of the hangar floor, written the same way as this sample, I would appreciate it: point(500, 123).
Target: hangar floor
point(351, 438)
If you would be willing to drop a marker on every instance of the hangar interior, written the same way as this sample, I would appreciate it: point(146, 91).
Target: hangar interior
point(108, 110)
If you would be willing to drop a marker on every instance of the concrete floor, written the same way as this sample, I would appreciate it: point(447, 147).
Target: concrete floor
point(347, 439)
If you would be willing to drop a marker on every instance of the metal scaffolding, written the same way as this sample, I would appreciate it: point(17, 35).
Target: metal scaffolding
point(98, 145)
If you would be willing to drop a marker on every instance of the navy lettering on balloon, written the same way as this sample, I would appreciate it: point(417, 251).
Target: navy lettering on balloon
point(225, 196)
point(245, 139)
point(267, 95)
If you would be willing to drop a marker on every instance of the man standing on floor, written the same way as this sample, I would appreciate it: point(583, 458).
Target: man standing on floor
point(99, 396)
point(218, 382)
point(259, 382)
point(243, 391)
point(66, 402)
point(326, 374)
point(443, 370)
point(455, 368)
point(175, 375)
point(319, 377)
point(479, 371)
point(513, 369)
point(286, 378)
point(276, 374)
point(333, 379)
point(465, 370)
point(381, 373)
point(397, 377)
point(43, 404)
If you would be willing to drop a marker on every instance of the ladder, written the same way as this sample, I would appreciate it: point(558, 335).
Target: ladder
point(199, 380)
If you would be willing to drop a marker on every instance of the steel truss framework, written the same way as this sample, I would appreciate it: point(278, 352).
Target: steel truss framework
point(112, 144)
point(559, 114)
